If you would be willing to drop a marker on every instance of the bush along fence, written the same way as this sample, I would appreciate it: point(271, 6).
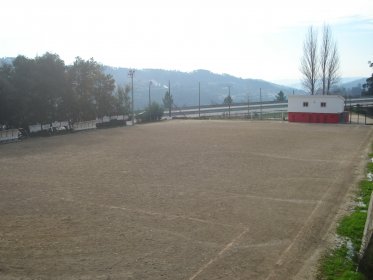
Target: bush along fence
point(352, 258)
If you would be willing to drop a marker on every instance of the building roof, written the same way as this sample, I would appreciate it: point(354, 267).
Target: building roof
point(317, 97)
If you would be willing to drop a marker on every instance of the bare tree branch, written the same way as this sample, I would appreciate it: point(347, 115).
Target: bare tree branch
point(309, 64)
point(322, 65)
point(333, 68)
point(325, 56)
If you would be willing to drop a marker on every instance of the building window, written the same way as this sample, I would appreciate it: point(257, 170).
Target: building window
point(305, 104)
point(323, 104)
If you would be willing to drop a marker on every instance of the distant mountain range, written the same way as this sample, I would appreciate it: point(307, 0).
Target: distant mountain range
point(345, 82)
point(213, 87)
point(6, 60)
point(352, 83)
point(185, 86)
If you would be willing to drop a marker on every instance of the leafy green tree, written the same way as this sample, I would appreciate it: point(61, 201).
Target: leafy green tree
point(280, 96)
point(168, 100)
point(7, 102)
point(92, 90)
point(123, 100)
point(368, 86)
point(105, 101)
point(50, 87)
point(43, 90)
point(81, 78)
point(24, 83)
point(38, 85)
point(154, 112)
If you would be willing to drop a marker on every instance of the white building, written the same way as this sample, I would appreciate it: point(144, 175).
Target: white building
point(317, 109)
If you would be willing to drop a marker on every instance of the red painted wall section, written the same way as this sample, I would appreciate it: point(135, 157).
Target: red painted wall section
point(317, 117)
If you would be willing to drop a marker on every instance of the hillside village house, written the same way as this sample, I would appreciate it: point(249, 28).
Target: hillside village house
point(317, 109)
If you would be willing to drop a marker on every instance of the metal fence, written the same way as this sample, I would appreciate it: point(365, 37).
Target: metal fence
point(360, 115)
point(274, 115)
point(252, 115)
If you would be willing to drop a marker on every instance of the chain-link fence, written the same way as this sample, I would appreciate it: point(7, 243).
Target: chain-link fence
point(361, 115)
point(257, 115)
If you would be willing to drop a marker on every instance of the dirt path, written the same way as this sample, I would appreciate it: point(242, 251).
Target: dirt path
point(175, 200)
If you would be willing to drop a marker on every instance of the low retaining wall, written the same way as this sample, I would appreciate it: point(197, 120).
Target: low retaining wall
point(9, 135)
point(78, 126)
point(366, 250)
point(35, 128)
point(318, 117)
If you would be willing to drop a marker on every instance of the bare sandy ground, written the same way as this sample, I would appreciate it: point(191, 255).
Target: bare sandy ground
point(175, 200)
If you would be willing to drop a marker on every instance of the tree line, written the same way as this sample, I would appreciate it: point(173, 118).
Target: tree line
point(44, 89)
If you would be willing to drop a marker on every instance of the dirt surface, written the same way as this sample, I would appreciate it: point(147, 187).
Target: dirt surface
point(175, 200)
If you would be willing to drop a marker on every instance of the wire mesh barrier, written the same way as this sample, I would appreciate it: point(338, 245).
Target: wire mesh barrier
point(361, 115)
point(254, 115)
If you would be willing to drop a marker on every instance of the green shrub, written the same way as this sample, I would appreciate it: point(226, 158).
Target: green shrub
point(352, 226)
point(366, 188)
point(336, 265)
point(370, 167)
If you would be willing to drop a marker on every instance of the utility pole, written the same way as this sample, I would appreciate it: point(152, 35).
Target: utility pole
point(131, 72)
point(150, 111)
point(199, 99)
point(248, 106)
point(350, 108)
point(169, 91)
point(229, 103)
point(261, 109)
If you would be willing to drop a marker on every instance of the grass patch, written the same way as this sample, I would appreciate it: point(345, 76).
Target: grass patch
point(341, 263)
point(352, 227)
point(370, 167)
point(337, 265)
point(366, 188)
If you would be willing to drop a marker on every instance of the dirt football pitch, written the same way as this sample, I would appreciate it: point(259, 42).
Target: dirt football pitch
point(176, 200)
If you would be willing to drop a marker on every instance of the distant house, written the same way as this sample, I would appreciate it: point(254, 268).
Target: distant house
point(317, 109)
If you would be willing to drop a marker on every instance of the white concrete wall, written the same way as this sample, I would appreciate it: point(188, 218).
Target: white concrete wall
point(9, 135)
point(84, 125)
point(334, 103)
point(35, 128)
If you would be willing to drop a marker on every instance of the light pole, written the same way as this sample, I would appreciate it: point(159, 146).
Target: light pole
point(229, 102)
point(261, 109)
point(131, 72)
point(199, 99)
point(248, 106)
point(150, 111)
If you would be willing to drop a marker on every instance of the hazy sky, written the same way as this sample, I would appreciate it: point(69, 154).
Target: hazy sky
point(249, 39)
